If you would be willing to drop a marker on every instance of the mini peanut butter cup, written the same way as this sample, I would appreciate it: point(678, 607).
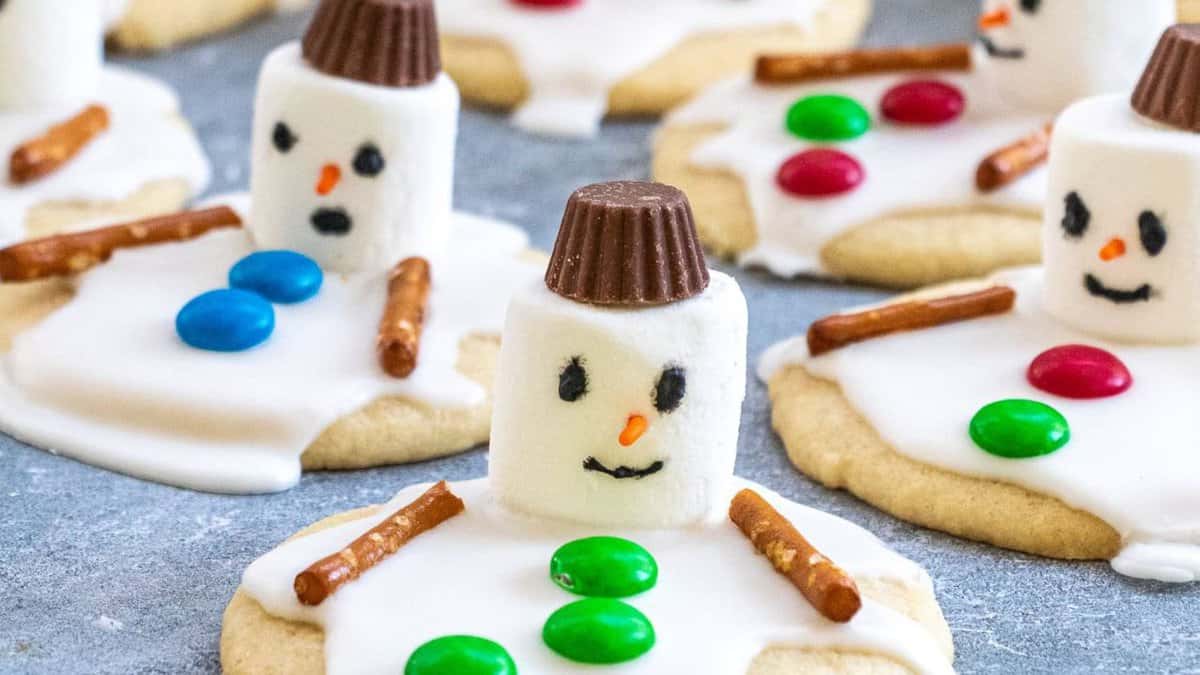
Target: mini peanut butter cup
point(392, 43)
point(627, 244)
point(1169, 91)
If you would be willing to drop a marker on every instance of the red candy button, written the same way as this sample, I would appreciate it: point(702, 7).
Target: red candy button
point(547, 4)
point(1079, 371)
point(820, 173)
point(925, 102)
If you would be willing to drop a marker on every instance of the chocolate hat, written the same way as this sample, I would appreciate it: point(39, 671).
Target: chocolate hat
point(392, 43)
point(1169, 91)
point(627, 244)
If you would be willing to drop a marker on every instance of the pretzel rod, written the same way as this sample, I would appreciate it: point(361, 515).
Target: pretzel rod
point(72, 253)
point(47, 153)
point(839, 330)
point(399, 340)
point(827, 587)
point(797, 68)
point(1013, 161)
point(324, 577)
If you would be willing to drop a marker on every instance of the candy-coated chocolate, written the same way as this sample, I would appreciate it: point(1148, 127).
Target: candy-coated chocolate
point(828, 117)
point(1079, 371)
point(547, 4)
point(923, 102)
point(460, 655)
point(599, 630)
point(1019, 428)
point(284, 277)
point(604, 567)
point(226, 320)
point(820, 172)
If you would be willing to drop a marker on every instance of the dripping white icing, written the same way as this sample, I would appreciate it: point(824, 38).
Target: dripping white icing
point(907, 168)
point(1132, 460)
point(716, 606)
point(106, 380)
point(573, 57)
point(146, 141)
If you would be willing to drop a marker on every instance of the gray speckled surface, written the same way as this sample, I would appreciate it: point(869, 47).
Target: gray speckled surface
point(100, 573)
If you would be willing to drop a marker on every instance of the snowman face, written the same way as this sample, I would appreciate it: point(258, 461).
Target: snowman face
point(50, 52)
point(353, 175)
point(1122, 252)
point(1044, 54)
point(619, 417)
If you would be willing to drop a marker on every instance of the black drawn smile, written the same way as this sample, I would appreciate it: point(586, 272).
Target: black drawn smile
point(621, 472)
point(1097, 288)
point(997, 52)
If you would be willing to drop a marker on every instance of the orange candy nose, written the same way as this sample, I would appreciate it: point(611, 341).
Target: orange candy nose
point(330, 177)
point(1115, 248)
point(634, 428)
point(995, 19)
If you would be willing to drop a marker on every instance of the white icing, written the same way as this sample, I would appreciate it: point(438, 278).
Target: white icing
point(114, 11)
point(535, 457)
point(1131, 460)
point(573, 57)
point(128, 395)
point(1074, 49)
point(146, 141)
point(403, 211)
point(1098, 144)
point(1073, 42)
point(50, 52)
point(485, 573)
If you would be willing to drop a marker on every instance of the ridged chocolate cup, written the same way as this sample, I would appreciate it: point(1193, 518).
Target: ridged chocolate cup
point(627, 244)
point(391, 43)
point(1169, 91)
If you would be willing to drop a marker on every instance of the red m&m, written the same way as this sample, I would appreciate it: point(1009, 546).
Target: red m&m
point(923, 102)
point(547, 4)
point(821, 172)
point(1079, 371)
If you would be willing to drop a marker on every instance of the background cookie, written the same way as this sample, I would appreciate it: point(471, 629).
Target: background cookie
point(488, 72)
point(254, 642)
point(160, 24)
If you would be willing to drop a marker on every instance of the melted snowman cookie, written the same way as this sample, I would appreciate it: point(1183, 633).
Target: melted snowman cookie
point(563, 65)
point(139, 158)
point(874, 178)
point(1063, 427)
point(618, 401)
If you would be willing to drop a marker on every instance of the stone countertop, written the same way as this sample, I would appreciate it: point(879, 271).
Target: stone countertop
point(100, 573)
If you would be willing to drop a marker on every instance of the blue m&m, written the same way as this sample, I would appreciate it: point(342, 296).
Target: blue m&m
point(285, 277)
point(226, 320)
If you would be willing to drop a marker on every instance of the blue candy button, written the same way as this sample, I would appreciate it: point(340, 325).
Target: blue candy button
point(285, 277)
point(227, 320)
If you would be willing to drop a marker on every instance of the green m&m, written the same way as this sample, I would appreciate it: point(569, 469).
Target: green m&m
point(604, 567)
point(460, 655)
point(828, 117)
point(599, 630)
point(1019, 429)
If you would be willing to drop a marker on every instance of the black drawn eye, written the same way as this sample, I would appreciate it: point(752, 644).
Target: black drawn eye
point(369, 161)
point(573, 381)
point(1153, 233)
point(1076, 218)
point(670, 390)
point(1031, 6)
point(283, 138)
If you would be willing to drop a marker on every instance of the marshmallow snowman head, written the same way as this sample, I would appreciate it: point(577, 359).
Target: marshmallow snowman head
point(353, 152)
point(51, 52)
point(1045, 54)
point(620, 382)
point(1122, 231)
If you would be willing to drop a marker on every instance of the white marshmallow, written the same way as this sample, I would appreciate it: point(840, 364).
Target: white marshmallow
point(1126, 172)
point(402, 211)
point(1071, 49)
point(50, 52)
point(540, 442)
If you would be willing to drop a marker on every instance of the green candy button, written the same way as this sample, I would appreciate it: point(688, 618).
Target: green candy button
point(460, 655)
point(828, 117)
point(599, 630)
point(1019, 428)
point(604, 567)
